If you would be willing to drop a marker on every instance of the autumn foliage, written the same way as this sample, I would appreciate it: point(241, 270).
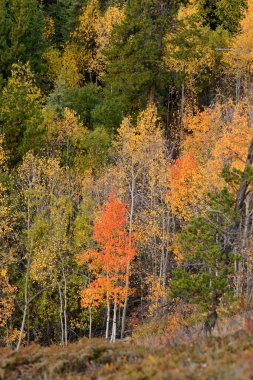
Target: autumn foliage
point(114, 254)
point(150, 98)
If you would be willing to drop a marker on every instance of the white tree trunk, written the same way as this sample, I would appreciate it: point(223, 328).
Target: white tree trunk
point(26, 297)
point(123, 321)
point(61, 314)
point(107, 319)
point(114, 323)
point(65, 311)
point(90, 327)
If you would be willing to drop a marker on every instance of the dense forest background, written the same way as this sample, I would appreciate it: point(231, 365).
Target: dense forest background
point(126, 153)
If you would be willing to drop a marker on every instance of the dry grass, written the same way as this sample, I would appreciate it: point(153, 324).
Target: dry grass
point(217, 358)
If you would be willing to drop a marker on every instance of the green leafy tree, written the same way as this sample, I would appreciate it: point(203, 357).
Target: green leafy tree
point(21, 118)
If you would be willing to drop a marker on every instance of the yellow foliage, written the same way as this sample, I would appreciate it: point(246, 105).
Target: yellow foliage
point(49, 28)
point(23, 78)
point(85, 51)
point(64, 67)
point(93, 34)
point(63, 131)
point(104, 26)
point(240, 58)
point(45, 191)
point(70, 71)
point(12, 336)
point(85, 30)
point(7, 297)
point(194, 51)
point(217, 137)
point(157, 293)
point(3, 156)
point(53, 58)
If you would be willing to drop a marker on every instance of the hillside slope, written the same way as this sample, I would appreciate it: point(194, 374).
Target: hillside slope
point(230, 357)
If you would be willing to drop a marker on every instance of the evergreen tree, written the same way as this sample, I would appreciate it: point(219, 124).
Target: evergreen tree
point(21, 35)
point(225, 13)
point(135, 72)
point(204, 257)
point(65, 15)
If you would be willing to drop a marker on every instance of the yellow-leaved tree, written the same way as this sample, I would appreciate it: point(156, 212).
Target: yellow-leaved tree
point(84, 54)
point(191, 52)
point(7, 253)
point(218, 137)
point(140, 177)
point(239, 58)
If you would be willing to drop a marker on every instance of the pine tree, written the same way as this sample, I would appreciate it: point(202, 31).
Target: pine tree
point(215, 13)
point(21, 35)
point(205, 262)
point(135, 72)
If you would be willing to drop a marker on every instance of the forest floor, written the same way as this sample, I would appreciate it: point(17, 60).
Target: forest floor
point(228, 357)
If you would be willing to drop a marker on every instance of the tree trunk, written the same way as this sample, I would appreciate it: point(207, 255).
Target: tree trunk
point(26, 296)
point(61, 314)
point(151, 98)
point(123, 322)
point(243, 188)
point(182, 106)
point(237, 89)
point(107, 319)
point(114, 323)
point(65, 312)
point(90, 326)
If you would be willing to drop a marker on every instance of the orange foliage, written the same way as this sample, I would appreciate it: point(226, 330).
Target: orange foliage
point(115, 252)
point(187, 186)
point(215, 137)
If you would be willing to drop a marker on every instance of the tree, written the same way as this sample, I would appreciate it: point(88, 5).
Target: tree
point(111, 263)
point(217, 138)
point(65, 135)
point(135, 70)
point(7, 250)
point(21, 118)
point(22, 37)
point(239, 57)
point(214, 13)
point(93, 36)
point(64, 14)
point(191, 54)
point(139, 175)
point(49, 198)
point(203, 272)
point(8, 294)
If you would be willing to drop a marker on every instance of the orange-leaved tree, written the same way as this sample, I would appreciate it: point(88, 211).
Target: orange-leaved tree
point(110, 262)
point(216, 138)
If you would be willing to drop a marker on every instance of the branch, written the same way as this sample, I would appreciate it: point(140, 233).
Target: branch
point(235, 50)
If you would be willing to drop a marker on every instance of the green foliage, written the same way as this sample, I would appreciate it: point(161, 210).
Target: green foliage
point(64, 14)
point(62, 152)
point(202, 275)
point(108, 113)
point(21, 35)
point(83, 101)
point(87, 102)
point(135, 70)
point(215, 13)
point(97, 150)
point(21, 118)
